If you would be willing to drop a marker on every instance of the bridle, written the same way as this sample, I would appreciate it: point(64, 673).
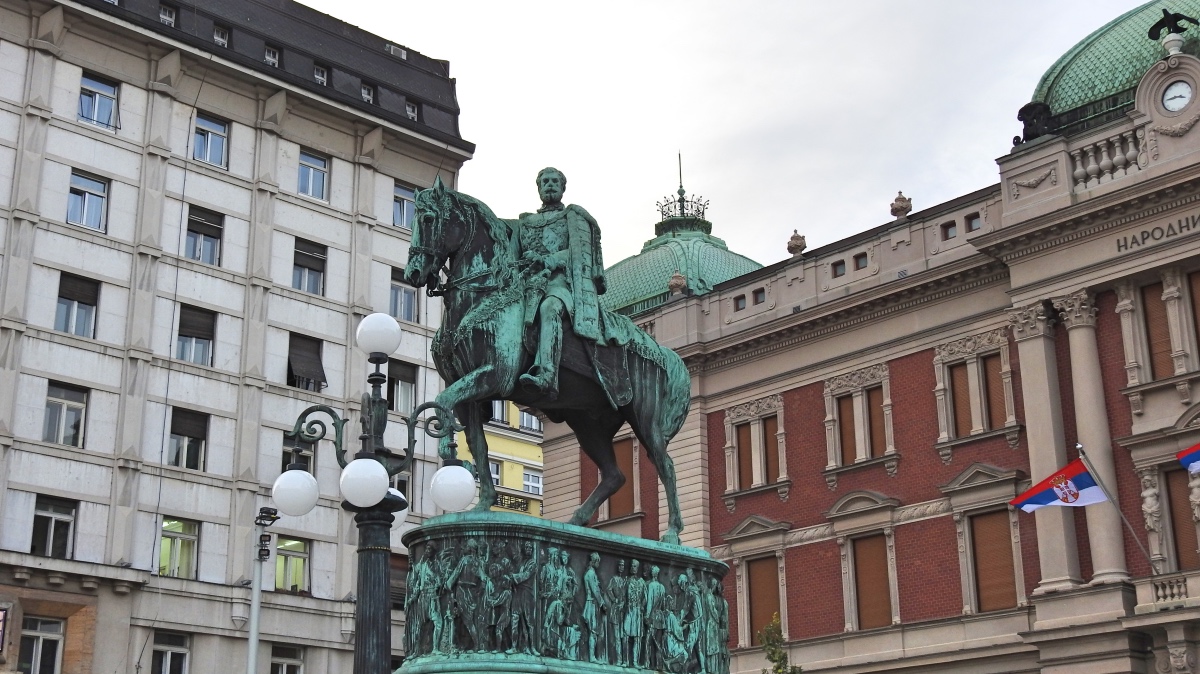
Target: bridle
point(441, 288)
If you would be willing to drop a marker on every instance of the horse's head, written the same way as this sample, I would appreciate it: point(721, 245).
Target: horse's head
point(429, 248)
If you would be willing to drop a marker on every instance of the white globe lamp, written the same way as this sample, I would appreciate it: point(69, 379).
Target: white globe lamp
point(364, 482)
point(402, 515)
point(378, 333)
point(295, 492)
point(453, 487)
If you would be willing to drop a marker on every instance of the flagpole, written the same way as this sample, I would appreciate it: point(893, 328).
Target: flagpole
point(1108, 495)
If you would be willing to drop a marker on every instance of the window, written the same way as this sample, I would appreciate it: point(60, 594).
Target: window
point(974, 222)
point(623, 503)
point(1183, 527)
point(759, 295)
point(402, 386)
point(53, 528)
point(177, 548)
point(189, 430)
point(170, 653)
point(860, 261)
point(991, 549)
point(221, 36)
point(753, 443)
point(876, 434)
point(287, 659)
point(745, 455)
point(960, 387)
point(858, 420)
point(1158, 332)
point(291, 565)
point(196, 328)
point(166, 14)
point(739, 303)
point(413, 112)
point(320, 75)
point(403, 303)
point(305, 370)
point(86, 201)
point(770, 435)
point(98, 101)
point(204, 230)
point(974, 388)
point(872, 586)
point(403, 200)
point(996, 413)
point(763, 594)
point(314, 172)
point(532, 483)
point(500, 411)
point(397, 582)
point(494, 471)
point(298, 453)
point(211, 139)
point(271, 56)
point(41, 646)
point(838, 268)
point(845, 424)
point(368, 93)
point(400, 483)
point(64, 417)
point(77, 300)
point(949, 230)
point(308, 267)
point(530, 422)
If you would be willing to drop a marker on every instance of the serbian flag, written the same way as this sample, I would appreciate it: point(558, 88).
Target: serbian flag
point(1190, 458)
point(1071, 486)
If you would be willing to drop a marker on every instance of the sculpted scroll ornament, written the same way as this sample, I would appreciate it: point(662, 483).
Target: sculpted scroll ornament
point(754, 409)
point(969, 346)
point(858, 379)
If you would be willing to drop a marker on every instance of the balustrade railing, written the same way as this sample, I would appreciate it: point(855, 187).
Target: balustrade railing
point(1102, 160)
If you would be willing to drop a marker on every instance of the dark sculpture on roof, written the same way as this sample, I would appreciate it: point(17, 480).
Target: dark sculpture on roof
point(1171, 22)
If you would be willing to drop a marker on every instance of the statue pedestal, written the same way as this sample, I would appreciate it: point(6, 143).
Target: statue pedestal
point(504, 592)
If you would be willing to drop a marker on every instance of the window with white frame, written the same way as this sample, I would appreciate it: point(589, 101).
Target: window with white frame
point(320, 74)
point(872, 595)
point(53, 528)
point(287, 659)
point(189, 431)
point(400, 483)
point(41, 646)
point(494, 471)
point(402, 302)
point(1161, 322)
point(197, 329)
point(221, 36)
point(530, 422)
point(76, 309)
point(974, 387)
point(864, 524)
point(402, 386)
point(989, 549)
point(64, 418)
point(308, 267)
point(313, 175)
point(271, 56)
point(87, 201)
point(298, 453)
point(413, 111)
point(368, 93)
point(211, 141)
point(166, 15)
point(755, 451)
point(204, 232)
point(532, 482)
point(403, 206)
point(500, 411)
point(177, 548)
point(858, 419)
point(762, 594)
point(170, 655)
point(291, 564)
point(98, 101)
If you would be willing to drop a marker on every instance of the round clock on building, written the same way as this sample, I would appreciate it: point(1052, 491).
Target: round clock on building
point(1176, 96)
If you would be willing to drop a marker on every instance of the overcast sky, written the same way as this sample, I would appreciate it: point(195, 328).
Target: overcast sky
point(790, 115)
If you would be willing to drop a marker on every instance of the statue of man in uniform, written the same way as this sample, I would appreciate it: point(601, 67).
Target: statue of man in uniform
point(559, 249)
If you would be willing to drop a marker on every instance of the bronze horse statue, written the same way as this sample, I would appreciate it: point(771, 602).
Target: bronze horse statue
point(480, 352)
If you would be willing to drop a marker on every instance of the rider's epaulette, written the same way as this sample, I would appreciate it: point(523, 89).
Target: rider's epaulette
point(579, 209)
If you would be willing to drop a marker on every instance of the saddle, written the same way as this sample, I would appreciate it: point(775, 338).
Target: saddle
point(608, 365)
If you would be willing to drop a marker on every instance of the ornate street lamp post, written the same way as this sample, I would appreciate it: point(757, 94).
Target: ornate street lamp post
point(365, 485)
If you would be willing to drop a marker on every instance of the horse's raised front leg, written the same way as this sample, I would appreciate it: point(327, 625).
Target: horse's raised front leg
point(472, 416)
point(595, 435)
point(480, 384)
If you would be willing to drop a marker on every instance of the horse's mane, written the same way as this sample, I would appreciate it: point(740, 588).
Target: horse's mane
point(498, 229)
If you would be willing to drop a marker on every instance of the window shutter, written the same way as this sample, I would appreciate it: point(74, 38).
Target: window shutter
point(960, 389)
point(875, 409)
point(744, 456)
point(845, 412)
point(195, 322)
point(311, 255)
point(620, 504)
point(995, 576)
point(205, 222)
point(304, 357)
point(402, 371)
point(189, 423)
point(872, 588)
point(1182, 524)
point(1157, 333)
point(993, 383)
point(764, 594)
point(82, 290)
point(770, 427)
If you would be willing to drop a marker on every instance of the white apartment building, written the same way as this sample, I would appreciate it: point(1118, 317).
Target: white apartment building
point(197, 206)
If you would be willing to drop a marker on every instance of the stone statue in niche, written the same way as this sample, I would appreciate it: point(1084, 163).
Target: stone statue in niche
point(1151, 509)
point(616, 615)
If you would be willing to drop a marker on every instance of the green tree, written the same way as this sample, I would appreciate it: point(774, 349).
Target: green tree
point(771, 638)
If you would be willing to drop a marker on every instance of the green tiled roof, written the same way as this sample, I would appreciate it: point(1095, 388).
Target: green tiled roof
point(639, 282)
point(1112, 59)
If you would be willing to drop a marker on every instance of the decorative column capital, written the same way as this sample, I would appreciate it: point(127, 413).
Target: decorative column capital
point(1077, 310)
point(1031, 321)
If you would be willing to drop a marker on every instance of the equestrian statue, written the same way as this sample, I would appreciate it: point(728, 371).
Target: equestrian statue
point(522, 321)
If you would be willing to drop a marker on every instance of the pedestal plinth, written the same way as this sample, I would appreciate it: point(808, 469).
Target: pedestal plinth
point(503, 592)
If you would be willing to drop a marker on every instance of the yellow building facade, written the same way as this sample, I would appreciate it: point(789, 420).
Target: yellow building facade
point(514, 438)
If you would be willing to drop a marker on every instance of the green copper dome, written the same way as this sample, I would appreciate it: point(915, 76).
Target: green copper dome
point(1111, 61)
point(684, 243)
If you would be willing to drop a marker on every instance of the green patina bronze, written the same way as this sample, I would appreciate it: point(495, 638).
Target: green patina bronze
point(492, 591)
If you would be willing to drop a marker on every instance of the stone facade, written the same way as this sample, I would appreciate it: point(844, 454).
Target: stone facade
point(122, 127)
point(997, 330)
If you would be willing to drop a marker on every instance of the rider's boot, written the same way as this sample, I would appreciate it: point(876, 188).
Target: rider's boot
point(543, 376)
